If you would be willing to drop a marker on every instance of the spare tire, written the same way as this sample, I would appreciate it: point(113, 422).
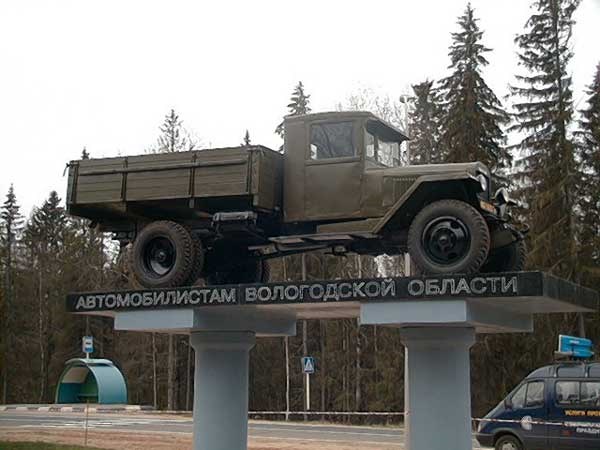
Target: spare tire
point(510, 258)
point(245, 271)
point(162, 255)
point(448, 236)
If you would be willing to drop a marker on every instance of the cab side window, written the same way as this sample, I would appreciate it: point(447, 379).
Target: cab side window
point(332, 140)
point(518, 398)
point(567, 393)
point(535, 394)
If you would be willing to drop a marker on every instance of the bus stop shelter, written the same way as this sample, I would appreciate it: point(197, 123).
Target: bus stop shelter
point(91, 381)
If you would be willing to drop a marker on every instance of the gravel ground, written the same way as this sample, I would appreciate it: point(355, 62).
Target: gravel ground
point(125, 440)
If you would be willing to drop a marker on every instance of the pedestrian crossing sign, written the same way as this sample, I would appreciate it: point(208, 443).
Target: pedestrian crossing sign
point(308, 364)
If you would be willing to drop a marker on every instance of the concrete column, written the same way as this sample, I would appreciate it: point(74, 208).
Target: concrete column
point(221, 389)
point(437, 388)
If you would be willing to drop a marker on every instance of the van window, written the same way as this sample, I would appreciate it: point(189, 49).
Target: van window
point(535, 394)
point(590, 393)
point(567, 392)
point(518, 398)
point(332, 140)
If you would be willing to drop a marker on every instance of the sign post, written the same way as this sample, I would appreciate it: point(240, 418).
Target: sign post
point(308, 367)
point(87, 345)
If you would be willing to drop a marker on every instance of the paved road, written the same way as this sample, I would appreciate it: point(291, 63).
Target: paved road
point(297, 432)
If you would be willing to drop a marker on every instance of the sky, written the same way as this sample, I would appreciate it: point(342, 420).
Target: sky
point(104, 74)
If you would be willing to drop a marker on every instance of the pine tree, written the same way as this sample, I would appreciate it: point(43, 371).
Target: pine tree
point(424, 125)
point(471, 126)
point(588, 140)
point(299, 104)
point(543, 113)
point(11, 222)
point(174, 137)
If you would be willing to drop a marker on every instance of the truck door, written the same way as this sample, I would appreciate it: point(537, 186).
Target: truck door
point(333, 172)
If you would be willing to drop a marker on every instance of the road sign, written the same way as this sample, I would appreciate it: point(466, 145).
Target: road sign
point(308, 364)
point(87, 345)
point(574, 346)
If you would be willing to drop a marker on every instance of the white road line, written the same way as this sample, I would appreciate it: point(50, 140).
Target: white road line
point(301, 430)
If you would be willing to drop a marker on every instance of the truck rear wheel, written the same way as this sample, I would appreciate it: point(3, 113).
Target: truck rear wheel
point(198, 261)
point(448, 236)
point(162, 255)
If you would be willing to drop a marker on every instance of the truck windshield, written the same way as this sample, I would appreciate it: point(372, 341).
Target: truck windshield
point(381, 152)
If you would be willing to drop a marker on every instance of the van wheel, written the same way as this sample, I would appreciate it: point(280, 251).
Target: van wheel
point(508, 442)
point(448, 236)
point(162, 255)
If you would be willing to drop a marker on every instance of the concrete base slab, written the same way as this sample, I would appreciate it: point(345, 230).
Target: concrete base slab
point(446, 313)
point(260, 322)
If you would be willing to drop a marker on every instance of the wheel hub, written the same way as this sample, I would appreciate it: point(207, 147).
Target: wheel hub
point(159, 256)
point(446, 240)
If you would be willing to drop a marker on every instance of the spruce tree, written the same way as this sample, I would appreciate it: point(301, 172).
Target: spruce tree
point(588, 140)
point(11, 222)
point(424, 125)
point(543, 111)
point(246, 142)
point(299, 104)
point(174, 137)
point(471, 125)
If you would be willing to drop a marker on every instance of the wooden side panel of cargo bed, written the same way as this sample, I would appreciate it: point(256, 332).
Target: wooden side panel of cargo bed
point(267, 187)
point(100, 188)
point(221, 172)
point(150, 177)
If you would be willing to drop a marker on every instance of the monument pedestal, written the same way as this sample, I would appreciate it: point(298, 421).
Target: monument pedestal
point(438, 317)
point(221, 389)
point(437, 388)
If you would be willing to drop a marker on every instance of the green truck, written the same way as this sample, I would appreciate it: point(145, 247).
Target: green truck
point(221, 214)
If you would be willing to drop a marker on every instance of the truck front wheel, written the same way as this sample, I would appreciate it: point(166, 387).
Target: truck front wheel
point(448, 236)
point(162, 255)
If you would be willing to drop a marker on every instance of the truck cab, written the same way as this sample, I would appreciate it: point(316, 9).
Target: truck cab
point(329, 162)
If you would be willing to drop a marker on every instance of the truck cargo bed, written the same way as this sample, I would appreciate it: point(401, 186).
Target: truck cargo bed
point(175, 185)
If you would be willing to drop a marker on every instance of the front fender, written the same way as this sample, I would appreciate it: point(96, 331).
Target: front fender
point(426, 189)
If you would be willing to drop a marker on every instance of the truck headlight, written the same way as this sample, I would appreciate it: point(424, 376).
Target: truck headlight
point(483, 181)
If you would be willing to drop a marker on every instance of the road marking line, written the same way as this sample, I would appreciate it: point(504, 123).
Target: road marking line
point(399, 434)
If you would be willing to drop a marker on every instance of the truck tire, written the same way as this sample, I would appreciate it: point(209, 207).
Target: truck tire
point(508, 442)
point(198, 261)
point(162, 255)
point(246, 271)
point(448, 236)
point(510, 258)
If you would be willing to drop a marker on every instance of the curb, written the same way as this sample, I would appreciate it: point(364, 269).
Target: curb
point(77, 408)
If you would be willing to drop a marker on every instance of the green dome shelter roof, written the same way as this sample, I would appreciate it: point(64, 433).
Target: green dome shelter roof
point(91, 380)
